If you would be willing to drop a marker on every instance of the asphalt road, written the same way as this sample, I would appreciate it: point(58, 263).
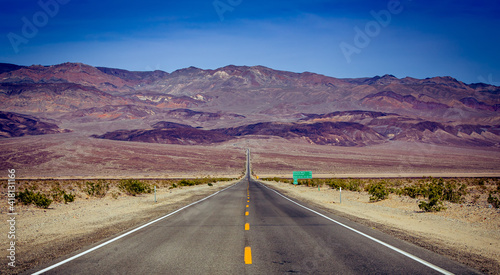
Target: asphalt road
point(250, 229)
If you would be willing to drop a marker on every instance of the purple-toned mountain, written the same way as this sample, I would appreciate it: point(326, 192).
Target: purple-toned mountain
point(240, 96)
point(17, 125)
point(5, 67)
point(322, 133)
point(255, 91)
point(351, 128)
point(396, 127)
point(45, 98)
point(134, 112)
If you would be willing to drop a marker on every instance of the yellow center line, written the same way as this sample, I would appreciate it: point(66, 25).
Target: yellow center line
point(248, 255)
point(248, 250)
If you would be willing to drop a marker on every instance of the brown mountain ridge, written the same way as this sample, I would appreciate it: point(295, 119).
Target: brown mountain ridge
point(16, 125)
point(241, 101)
point(351, 128)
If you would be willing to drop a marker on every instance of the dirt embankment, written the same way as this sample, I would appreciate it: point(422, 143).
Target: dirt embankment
point(467, 233)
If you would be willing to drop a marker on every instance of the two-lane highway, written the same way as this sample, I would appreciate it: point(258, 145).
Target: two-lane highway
point(251, 229)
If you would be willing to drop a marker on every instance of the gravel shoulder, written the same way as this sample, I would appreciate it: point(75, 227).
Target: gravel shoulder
point(43, 235)
point(465, 233)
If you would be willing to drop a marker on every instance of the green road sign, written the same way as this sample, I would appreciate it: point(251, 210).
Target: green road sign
point(301, 175)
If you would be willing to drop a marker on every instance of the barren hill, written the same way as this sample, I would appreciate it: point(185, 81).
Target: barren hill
point(16, 125)
point(348, 128)
point(236, 101)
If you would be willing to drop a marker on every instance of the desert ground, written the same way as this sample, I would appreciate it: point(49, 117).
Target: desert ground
point(73, 155)
point(397, 159)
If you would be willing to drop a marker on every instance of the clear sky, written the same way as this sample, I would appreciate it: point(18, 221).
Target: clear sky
point(340, 38)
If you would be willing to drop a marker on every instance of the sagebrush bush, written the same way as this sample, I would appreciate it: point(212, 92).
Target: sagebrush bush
point(57, 194)
point(434, 205)
point(276, 179)
point(68, 197)
point(454, 193)
point(346, 184)
point(378, 191)
point(28, 197)
point(134, 187)
point(494, 198)
point(185, 182)
point(414, 191)
point(96, 189)
point(435, 192)
point(198, 181)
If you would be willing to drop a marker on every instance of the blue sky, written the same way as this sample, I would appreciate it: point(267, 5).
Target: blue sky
point(420, 39)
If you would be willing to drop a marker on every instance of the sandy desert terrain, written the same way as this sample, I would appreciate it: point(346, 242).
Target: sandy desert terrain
point(71, 155)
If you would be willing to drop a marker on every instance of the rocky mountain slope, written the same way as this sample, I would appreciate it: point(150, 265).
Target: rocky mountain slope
point(240, 101)
point(350, 128)
point(16, 125)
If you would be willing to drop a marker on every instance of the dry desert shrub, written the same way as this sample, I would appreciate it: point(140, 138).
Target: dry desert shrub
point(96, 189)
point(432, 191)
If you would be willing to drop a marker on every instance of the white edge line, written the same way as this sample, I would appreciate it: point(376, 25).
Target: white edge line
point(443, 271)
point(127, 233)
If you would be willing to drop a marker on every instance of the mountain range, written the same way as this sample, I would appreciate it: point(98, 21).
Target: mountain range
point(196, 106)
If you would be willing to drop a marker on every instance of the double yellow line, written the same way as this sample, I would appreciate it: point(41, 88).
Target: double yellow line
point(248, 250)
